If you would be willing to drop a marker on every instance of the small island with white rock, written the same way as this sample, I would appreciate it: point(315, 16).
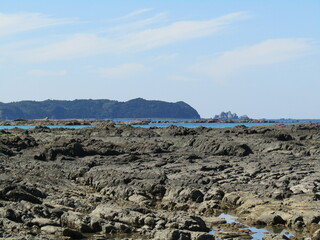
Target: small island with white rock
point(229, 116)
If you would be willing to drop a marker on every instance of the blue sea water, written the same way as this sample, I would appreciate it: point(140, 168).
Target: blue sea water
point(179, 124)
point(207, 125)
point(226, 125)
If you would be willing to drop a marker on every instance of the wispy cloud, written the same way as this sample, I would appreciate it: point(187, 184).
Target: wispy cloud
point(44, 73)
point(122, 71)
point(134, 14)
point(140, 24)
point(269, 52)
point(79, 45)
point(16, 23)
point(179, 31)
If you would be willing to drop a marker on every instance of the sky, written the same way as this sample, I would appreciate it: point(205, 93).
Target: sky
point(259, 58)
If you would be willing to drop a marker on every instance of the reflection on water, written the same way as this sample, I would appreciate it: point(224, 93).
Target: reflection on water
point(257, 233)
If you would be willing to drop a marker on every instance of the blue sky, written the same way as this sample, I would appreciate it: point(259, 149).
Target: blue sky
point(260, 58)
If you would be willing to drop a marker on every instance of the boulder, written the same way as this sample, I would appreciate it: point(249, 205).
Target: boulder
point(270, 219)
point(76, 221)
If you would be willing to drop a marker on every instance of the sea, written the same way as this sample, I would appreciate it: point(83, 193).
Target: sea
point(177, 122)
point(225, 125)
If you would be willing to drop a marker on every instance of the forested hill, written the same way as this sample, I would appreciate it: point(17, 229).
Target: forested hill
point(96, 109)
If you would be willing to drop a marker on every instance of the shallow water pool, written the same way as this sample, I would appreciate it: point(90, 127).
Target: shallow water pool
point(257, 233)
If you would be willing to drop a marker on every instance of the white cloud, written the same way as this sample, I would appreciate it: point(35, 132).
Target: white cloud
point(79, 45)
point(134, 14)
point(269, 52)
point(177, 32)
point(43, 73)
point(122, 71)
point(140, 24)
point(15, 23)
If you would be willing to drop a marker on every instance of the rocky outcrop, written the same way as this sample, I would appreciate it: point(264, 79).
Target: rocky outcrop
point(229, 116)
point(158, 183)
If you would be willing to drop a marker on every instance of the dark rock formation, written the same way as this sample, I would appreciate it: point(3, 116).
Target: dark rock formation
point(160, 183)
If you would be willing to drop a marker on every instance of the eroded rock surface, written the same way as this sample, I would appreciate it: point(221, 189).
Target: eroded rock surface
point(158, 183)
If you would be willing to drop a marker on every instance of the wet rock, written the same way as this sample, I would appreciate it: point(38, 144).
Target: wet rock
point(270, 219)
point(72, 233)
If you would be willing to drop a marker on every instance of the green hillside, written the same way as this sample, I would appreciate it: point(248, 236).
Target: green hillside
point(96, 109)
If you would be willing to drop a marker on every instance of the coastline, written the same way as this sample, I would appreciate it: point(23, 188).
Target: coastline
point(70, 122)
point(161, 182)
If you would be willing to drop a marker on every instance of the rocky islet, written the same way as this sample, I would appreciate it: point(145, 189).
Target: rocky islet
point(159, 183)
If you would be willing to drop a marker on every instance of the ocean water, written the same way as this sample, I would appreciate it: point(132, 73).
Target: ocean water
point(207, 125)
point(225, 125)
point(179, 124)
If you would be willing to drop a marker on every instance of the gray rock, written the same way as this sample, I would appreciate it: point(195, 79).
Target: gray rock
point(51, 229)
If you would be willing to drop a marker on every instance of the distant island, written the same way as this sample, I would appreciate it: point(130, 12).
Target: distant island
point(230, 116)
point(96, 109)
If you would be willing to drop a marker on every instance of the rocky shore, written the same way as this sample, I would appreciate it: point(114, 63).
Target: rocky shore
point(55, 122)
point(108, 182)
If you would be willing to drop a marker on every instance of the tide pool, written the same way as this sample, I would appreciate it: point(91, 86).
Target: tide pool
point(257, 233)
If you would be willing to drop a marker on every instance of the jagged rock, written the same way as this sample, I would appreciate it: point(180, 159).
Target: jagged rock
point(76, 221)
point(270, 219)
point(274, 237)
point(226, 116)
point(142, 181)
